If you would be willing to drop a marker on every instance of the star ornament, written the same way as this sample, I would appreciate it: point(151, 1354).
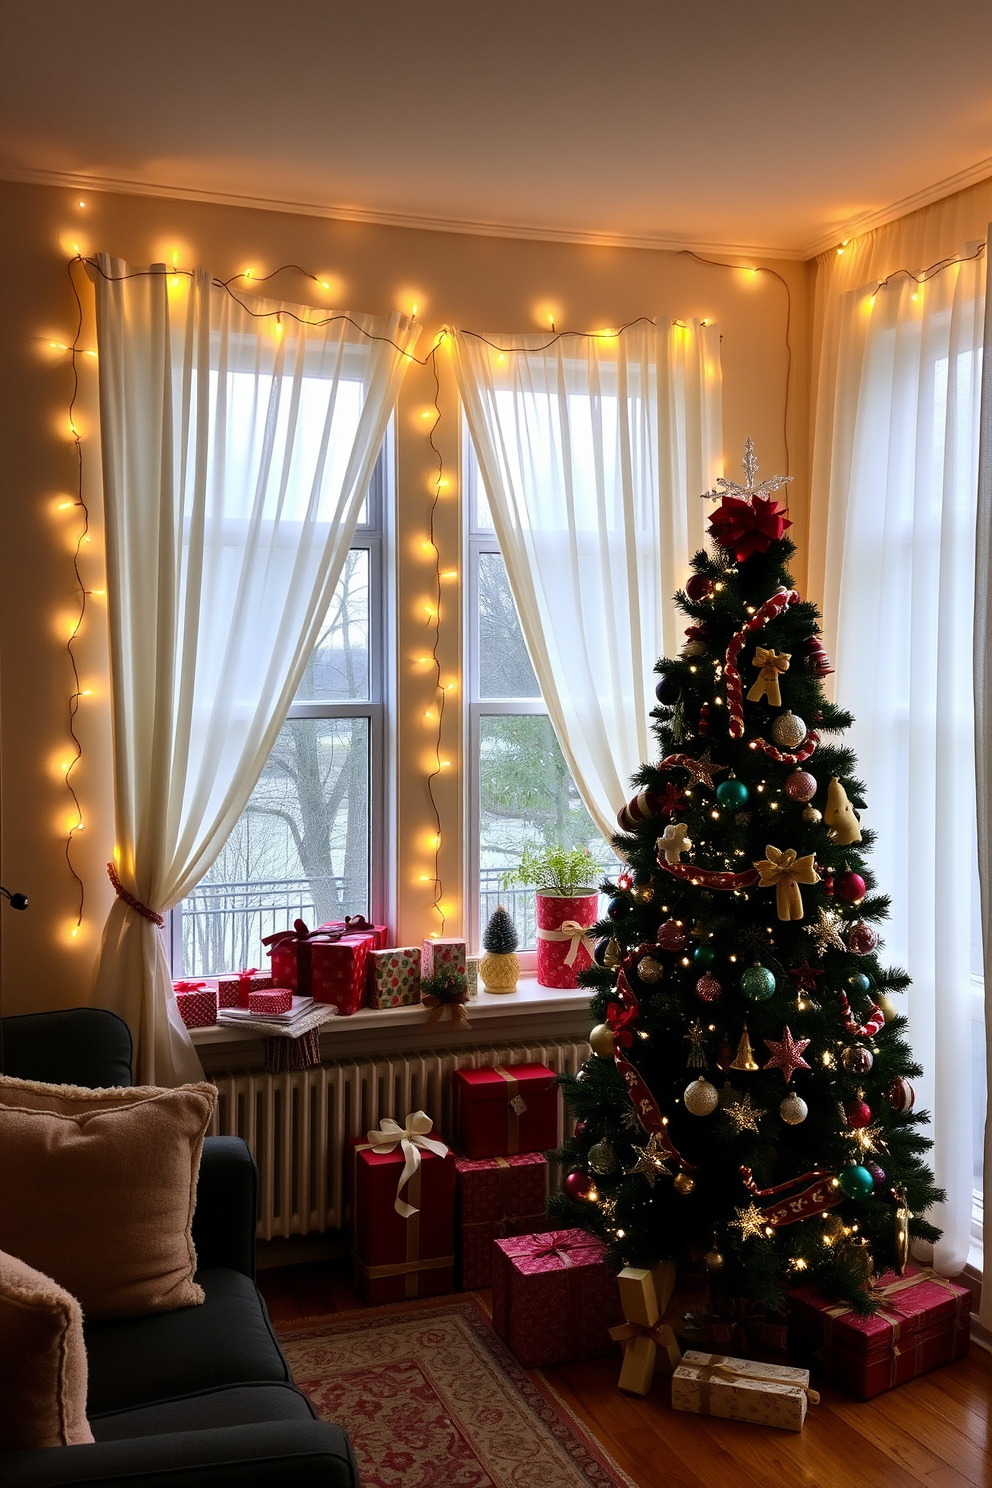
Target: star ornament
point(650, 1161)
point(748, 492)
point(744, 1116)
point(787, 1054)
point(806, 976)
point(750, 1222)
point(825, 933)
point(703, 769)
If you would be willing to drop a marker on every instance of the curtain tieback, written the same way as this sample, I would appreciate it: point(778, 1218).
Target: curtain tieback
point(131, 901)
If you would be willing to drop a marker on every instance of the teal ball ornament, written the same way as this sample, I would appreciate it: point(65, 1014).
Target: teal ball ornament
point(856, 1182)
point(704, 955)
point(758, 983)
point(732, 795)
point(858, 982)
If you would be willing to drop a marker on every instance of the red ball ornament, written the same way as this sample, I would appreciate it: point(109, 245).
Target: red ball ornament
point(862, 939)
point(708, 989)
point(851, 886)
point(582, 1132)
point(579, 1186)
point(698, 587)
point(858, 1113)
point(902, 1096)
point(672, 936)
point(800, 786)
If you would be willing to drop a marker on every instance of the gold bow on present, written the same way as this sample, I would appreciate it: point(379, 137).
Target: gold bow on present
point(786, 872)
point(410, 1138)
point(771, 664)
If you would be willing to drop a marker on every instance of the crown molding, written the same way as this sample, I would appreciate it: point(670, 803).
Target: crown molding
point(857, 226)
point(80, 181)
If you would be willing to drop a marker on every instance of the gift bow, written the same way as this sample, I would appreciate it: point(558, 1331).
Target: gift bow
point(300, 932)
point(771, 663)
point(455, 1009)
point(621, 1020)
point(411, 1138)
point(726, 1369)
point(786, 872)
point(188, 986)
point(578, 935)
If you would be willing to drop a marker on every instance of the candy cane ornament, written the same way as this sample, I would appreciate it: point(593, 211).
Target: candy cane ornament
point(735, 694)
point(869, 1028)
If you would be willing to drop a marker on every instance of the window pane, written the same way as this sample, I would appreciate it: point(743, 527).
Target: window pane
point(300, 849)
point(339, 665)
point(528, 800)
point(505, 670)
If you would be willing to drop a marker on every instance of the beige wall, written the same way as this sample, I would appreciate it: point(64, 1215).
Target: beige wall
point(487, 284)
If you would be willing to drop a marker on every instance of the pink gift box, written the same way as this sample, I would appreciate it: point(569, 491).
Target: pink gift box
point(358, 925)
point(197, 1004)
point(497, 1196)
point(554, 1301)
point(449, 952)
point(276, 1000)
point(233, 988)
point(394, 977)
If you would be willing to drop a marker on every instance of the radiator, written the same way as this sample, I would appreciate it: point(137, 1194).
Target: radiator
point(298, 1124)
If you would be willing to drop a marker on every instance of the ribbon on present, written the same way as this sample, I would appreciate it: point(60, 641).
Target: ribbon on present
point(734, 1325)
point(411, 1138)
point(189, 987)
point(729, 1371)
point(576, 934)
point(304, 939)
point(244, 984)
point(772, 663)
point(782, 870)
point(455, 1009)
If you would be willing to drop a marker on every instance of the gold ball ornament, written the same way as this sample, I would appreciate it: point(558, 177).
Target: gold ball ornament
point(684, 1184)
point(602, 1159)
point(713, 1259)
point(793, 1110)
point(889, 1009)
point(700, 1097)
point(601, 1041)
point(788, 731)
point(649, 970)
point(811, 814)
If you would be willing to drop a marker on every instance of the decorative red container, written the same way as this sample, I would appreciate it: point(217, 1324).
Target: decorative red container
point(496, 1196)
point(923, 1321)
point(563, 949)
point(275, 1000)
point(397, 1258)
point(358, 925)
point(554, 1301)
point(197, 1004)
point(506, 1109)
point(233, 988)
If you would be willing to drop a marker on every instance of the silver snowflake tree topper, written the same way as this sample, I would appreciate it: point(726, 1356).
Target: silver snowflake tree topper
point(749, 492)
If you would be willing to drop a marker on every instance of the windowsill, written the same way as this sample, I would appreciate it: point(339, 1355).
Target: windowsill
point(530, 1012)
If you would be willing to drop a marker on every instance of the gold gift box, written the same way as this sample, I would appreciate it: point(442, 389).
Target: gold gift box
point(742, 1390)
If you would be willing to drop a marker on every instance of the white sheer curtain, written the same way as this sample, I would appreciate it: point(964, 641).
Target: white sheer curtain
point(983, 748)
point(594, 451)
point(895, 504)
point(237, 448)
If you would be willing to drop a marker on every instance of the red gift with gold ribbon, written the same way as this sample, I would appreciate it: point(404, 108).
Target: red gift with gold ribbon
point(496, 1197)
point(403, 1212)
point(923, 1321)
point(505, 1109)
point(554, 1301)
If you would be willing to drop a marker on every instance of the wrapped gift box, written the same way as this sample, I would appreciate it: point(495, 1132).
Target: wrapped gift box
point(506, 1109)
point(397, 1258)
point(197, 1003)
point(233, 988)
point(322, 964)
point(394, 977)
point(922, 1321)
point(554, 1301)
point(496, 1197)
point(358, 925)
point(274, 1000)
point(449, 952)
point(742, 1390)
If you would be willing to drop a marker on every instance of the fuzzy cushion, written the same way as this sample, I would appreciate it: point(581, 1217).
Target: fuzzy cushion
point(42, 1361)
point(105, 1183)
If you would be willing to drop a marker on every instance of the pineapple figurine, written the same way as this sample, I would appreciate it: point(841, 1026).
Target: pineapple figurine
point(499, 968)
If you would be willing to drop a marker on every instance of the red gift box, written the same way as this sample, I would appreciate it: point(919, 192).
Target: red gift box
point(358, 925)
point(323, 964)
point(497, 1196)
point(197, 1003)
point(504, 1110)
point(233, 989)
point(396, 1257)
point(275, 1000)
point(554, 1301)
point(922, 1321)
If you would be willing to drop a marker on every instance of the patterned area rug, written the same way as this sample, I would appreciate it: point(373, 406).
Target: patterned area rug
point(431, 1398)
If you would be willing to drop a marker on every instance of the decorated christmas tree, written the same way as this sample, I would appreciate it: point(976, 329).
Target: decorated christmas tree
point(748, 1105)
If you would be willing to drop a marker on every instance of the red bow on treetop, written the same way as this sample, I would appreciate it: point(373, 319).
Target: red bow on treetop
point(745, 528)
point(622, 1020)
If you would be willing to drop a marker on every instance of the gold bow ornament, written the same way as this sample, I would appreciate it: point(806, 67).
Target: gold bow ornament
point(576, 934)
point(782, 870)
point(770, 664)
point(411, 1138)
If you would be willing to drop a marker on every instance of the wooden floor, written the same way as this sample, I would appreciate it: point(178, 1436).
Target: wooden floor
point(933, 1431)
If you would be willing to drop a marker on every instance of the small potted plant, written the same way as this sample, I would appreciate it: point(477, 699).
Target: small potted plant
point(567, 904)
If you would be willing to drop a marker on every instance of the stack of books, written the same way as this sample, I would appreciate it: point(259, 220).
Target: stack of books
point(302, 1016)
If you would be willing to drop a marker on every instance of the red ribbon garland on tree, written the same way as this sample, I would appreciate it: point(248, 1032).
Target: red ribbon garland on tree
point(825, 1194)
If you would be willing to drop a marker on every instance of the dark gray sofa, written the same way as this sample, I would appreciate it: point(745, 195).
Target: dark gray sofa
point(200, 1397)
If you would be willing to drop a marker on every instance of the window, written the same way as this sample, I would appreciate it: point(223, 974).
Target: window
point(520, 788)
point(302, 847)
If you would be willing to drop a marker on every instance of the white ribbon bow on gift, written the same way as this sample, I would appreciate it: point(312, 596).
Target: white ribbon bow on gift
point(573, 931)
point(411, 1138)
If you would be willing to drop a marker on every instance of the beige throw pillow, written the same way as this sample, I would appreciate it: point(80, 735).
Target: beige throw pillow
point(42, 1361)
point(99, 1188)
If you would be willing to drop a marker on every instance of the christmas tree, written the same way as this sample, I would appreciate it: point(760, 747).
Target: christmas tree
point(748, 1105)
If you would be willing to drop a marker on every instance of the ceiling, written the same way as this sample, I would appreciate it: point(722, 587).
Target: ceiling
point(779, 125)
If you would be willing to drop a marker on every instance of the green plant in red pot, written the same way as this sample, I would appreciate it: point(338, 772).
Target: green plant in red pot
point(567, 905)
